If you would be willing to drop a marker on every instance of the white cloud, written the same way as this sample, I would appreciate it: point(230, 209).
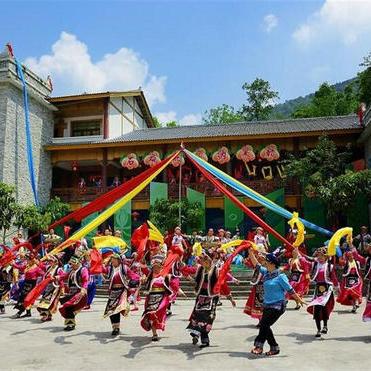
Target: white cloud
point(73, 71)
point(186, 120)
point(190, 119)
point(270, 22)
point(164, 117)
point(344, 19)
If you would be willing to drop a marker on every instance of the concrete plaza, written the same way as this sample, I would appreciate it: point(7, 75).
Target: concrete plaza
point(27, 344)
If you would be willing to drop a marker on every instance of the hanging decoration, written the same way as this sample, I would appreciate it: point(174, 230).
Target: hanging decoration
point(267, 172)
point(221, 156)
point(270, 153)
point(130, 161)
point(251, 169)
point(152, 159)
point(75, 166)
point(201, 152)
point(246, 153)
point(281, 171)
point(178, 160)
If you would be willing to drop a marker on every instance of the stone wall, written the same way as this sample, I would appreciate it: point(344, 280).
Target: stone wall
point(13, 148)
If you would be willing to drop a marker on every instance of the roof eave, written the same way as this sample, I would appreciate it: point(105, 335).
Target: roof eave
point(197, 139)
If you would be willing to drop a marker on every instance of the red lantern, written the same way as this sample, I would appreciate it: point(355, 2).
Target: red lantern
point(75, 166)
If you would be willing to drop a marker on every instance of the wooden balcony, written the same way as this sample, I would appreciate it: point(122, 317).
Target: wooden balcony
point(262, 186)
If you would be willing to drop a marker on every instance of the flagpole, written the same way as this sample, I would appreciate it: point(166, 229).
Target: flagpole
point(180, 193)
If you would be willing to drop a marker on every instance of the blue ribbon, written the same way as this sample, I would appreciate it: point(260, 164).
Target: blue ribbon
point(260, 200)
point(28, 133)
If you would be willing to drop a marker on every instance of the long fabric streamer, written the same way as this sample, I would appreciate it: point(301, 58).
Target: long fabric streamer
point(28, 133)
point(248, 192)
point(36, 292)
point(110, 211)
point(226, 266)
point(238, 203)
point(110, 197)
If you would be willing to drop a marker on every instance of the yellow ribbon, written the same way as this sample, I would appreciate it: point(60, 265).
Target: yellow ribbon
point(337, 236)
point(197, 249)
point(300, 227)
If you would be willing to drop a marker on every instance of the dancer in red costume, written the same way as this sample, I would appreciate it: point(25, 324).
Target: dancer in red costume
point(157, 300)
point(48, 303)
point(32, 270)
point(298, 268)
point(324, 276)
point(366, 317)
point(351, 286)
point(119, 275)
point(254, 303)
point(75, 298)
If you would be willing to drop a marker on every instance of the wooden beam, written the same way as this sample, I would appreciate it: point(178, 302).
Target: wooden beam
point(122, 114)
point(133, 108)
point(105, 119)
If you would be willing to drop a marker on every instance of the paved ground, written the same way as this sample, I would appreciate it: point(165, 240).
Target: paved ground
point(27, 344)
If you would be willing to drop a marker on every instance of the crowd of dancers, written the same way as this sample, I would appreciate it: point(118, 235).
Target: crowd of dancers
point(33, 277)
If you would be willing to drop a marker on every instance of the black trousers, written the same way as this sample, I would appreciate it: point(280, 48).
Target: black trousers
point(270, 316)
point(115, 318)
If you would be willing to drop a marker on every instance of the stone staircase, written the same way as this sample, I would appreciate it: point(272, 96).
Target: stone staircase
point(238, 291)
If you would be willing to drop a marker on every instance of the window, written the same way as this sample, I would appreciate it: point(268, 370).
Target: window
point(83, 128)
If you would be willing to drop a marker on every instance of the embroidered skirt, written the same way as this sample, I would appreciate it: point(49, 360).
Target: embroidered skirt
point(203, 314)
point(350, 290)
point(117, 302)
point(155, 308)
point(254, 303)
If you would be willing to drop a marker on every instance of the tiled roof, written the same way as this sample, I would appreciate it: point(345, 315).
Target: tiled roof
point(318, 124)
point(243, 129)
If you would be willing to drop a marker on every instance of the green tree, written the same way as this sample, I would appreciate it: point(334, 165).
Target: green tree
point(364, 80)
point(8, 208)
point(165, 214)
point(260, 99)
point(159, 124)
point(31, 218)
point(171, 124)
point(56, 209)
point(329, 102)
point(223, 114)
point(156, 122)
point(323, 173)
point(340, 192)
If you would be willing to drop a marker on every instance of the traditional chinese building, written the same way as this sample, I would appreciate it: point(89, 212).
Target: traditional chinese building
point(102, 140)
point(83, 145)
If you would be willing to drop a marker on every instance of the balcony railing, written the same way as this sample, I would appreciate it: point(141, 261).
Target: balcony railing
point(367, 117)
point(71, 140)
point(261, 186)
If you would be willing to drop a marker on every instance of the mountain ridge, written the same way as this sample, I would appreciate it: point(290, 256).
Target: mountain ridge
point(286, 109)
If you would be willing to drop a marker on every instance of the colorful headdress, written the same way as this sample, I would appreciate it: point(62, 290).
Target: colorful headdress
point(75, 260)
point(321, 251)
point(115, 255)
point(157, 259)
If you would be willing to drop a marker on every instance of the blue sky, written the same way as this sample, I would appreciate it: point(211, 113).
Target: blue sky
point(188, 56)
